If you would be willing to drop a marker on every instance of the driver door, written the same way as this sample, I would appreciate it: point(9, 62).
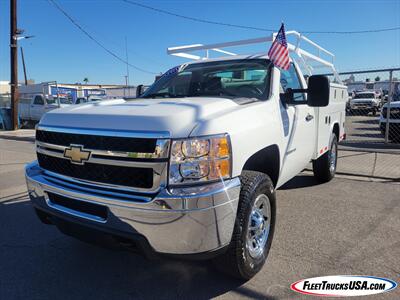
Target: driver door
point(302, 127)
point(37, 108)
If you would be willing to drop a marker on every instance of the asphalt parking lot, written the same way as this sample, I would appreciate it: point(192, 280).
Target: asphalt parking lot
point(347, 226)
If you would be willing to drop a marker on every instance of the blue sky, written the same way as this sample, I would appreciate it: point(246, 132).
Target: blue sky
point(61, 52)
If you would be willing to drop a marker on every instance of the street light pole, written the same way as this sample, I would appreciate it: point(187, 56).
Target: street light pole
point(14, 63)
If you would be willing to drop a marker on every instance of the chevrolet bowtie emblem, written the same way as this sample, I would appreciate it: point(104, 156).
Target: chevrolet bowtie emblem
point(76, 154)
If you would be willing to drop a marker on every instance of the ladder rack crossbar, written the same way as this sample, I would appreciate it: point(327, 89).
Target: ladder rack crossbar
point(184, 51)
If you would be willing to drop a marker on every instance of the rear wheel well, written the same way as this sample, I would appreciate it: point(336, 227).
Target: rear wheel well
point(265, 161)
point(336, 130)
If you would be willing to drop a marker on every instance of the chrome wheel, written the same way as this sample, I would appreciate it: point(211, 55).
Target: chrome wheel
point(332, 158)
point(259, 226)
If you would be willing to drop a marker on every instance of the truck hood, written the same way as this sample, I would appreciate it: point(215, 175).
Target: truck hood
point(175, 117)
point(55, 106)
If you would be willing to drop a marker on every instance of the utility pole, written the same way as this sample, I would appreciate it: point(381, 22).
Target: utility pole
point(14, 63)
point(23, 64)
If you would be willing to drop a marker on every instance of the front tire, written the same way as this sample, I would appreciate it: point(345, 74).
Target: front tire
point(254, 227)
point(324, 167)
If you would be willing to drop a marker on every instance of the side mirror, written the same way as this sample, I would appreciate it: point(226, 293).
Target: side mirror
point(287, 97)
point(318, 91)
point(139, 90)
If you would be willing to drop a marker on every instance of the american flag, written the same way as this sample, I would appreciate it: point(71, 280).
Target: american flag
point(279, 53)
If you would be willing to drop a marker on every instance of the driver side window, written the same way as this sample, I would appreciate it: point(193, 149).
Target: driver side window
point(290, 79)
point(179, 85)
point(38, 100)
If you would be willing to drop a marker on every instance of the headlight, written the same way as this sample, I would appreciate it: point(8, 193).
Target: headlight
point(200, 160)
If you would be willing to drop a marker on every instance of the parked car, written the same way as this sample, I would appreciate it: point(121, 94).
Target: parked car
point(90, 98)
point(394, 120)
point(365, 102)
point(33, 108)
point(350, 96)
point(191, 168)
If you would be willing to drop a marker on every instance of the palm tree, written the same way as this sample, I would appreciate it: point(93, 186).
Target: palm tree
point(86, 80)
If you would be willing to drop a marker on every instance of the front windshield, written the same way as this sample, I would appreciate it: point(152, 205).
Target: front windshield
point(61, 100)
point(247, 78)
point(51, 100)
point(364, 96)
point(65, 101)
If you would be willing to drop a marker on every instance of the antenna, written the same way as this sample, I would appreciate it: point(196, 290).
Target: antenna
point(127, 62)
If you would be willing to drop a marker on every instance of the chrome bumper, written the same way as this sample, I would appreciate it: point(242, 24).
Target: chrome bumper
point(363, 106)
point(186, 220)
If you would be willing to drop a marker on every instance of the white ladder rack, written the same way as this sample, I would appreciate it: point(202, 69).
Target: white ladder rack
point(305, 58)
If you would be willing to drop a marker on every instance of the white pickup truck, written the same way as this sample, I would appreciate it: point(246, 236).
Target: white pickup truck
point(37, 99)
point(365, 102)
point(33, 107)
point(394, 120)
point(190, 169)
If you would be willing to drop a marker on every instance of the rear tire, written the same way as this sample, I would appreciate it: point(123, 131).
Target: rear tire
point(254, 227)
point(324, 167)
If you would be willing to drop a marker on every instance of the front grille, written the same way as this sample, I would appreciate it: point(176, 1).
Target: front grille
point(362, 103)
point(108, 143)
point(79, 206)
point(109, 174)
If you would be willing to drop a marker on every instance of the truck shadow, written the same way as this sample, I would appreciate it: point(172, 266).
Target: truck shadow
point(368, 129)
point(46, 264)
point(369, 121)
point(369, 145)
point(368, 135)
point(300, 181)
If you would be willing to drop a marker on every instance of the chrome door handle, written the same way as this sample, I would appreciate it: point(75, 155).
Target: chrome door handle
point(309, 117)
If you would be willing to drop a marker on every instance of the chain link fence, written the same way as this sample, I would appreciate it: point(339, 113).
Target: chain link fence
point(372, 145)
point(5, 100)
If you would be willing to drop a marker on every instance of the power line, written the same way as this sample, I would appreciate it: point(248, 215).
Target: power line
point(195, 19)
point(166, 12)
point(355, 32)
point(56, 5)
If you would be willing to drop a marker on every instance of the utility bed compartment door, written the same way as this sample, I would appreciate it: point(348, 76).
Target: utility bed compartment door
point(328, 116)
point(324, 130)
